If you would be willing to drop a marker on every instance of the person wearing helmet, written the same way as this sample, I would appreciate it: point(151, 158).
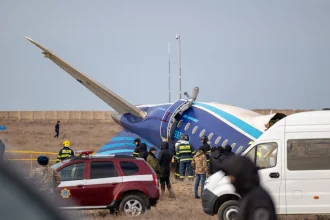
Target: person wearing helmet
point(137, 142)
point(185, 152)
point(65, 152)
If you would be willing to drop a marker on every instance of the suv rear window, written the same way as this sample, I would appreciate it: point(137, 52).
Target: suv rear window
point(129, 168)
point(103, 169)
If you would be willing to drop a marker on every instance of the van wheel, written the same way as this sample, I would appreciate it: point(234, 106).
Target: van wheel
point(132, 205)
point(228, 210)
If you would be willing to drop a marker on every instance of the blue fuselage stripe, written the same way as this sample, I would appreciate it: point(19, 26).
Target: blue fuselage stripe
point(128, 139)
point(117, 151)
point(233, 120)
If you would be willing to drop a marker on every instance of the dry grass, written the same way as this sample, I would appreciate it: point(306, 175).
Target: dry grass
point(38, 136)
point(184, 206)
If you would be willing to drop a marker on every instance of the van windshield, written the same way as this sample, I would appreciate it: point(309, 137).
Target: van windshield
point(264, 155)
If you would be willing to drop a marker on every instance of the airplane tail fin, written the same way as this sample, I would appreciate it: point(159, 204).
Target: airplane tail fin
point(112, 99)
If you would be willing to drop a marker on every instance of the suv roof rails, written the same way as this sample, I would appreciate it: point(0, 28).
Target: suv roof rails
point(116, 156)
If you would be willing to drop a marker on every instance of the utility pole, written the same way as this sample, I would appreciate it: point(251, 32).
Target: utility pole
point(179, 38)
point(169, 73)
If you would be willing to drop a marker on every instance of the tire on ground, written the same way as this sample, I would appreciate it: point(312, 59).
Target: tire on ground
point(131, 198)
point(227, 208)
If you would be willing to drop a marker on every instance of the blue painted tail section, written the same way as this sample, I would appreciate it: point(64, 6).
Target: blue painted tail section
point(122, 144)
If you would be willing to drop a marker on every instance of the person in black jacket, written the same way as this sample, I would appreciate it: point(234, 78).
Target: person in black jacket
point(212, 150)
point(2, 150)
point(57, 129)
point(216, 160)
point(206, 147)
point(256, 203)
point(228, 151)
point(137, 142)
point(143, 152)
point(165, 158)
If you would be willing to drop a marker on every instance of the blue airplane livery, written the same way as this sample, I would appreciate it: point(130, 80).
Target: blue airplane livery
point(222, 124)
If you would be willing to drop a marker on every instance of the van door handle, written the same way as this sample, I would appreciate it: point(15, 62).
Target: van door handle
point(80, 186)
point(274, 175)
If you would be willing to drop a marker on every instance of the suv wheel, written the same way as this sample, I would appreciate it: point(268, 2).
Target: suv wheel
point(228, 210)
point(132, 205)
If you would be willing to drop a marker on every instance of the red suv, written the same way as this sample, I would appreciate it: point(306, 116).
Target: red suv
point(116, 182)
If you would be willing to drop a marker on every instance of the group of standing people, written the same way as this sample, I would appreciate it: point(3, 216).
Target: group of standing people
point(256, 203)
point(161, 165)
point(204, 162)
point(201, 163)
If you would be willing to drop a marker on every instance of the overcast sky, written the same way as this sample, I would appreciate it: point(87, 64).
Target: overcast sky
point(253, 54)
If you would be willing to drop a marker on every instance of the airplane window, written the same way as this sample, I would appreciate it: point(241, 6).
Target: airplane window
point(217, 140)
point(194, 130)
point(233, 145)
point(187, 126)
point(224, 143)
point(239, 149)
point(179, 123)
point(202, 133)
point(210, 136)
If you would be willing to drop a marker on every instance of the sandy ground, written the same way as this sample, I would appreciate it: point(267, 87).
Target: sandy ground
point(38, 136)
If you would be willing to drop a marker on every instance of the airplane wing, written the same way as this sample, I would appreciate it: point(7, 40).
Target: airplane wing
point(112, 99)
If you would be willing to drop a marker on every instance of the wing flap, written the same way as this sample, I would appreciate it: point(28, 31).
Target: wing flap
point(112, 99)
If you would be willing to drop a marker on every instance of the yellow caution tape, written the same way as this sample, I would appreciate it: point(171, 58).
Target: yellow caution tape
point(29, 152)
point(30, 159)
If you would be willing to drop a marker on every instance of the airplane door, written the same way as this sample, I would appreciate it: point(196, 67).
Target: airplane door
point(169, 121)
point(267, 157)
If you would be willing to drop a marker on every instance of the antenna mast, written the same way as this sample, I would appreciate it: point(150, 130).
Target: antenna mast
point(178, 37)
point(169, 73)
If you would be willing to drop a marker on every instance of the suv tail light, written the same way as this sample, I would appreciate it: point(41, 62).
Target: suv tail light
point(154, 177)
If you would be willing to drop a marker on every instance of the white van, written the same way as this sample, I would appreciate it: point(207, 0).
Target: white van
point(293, 158)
